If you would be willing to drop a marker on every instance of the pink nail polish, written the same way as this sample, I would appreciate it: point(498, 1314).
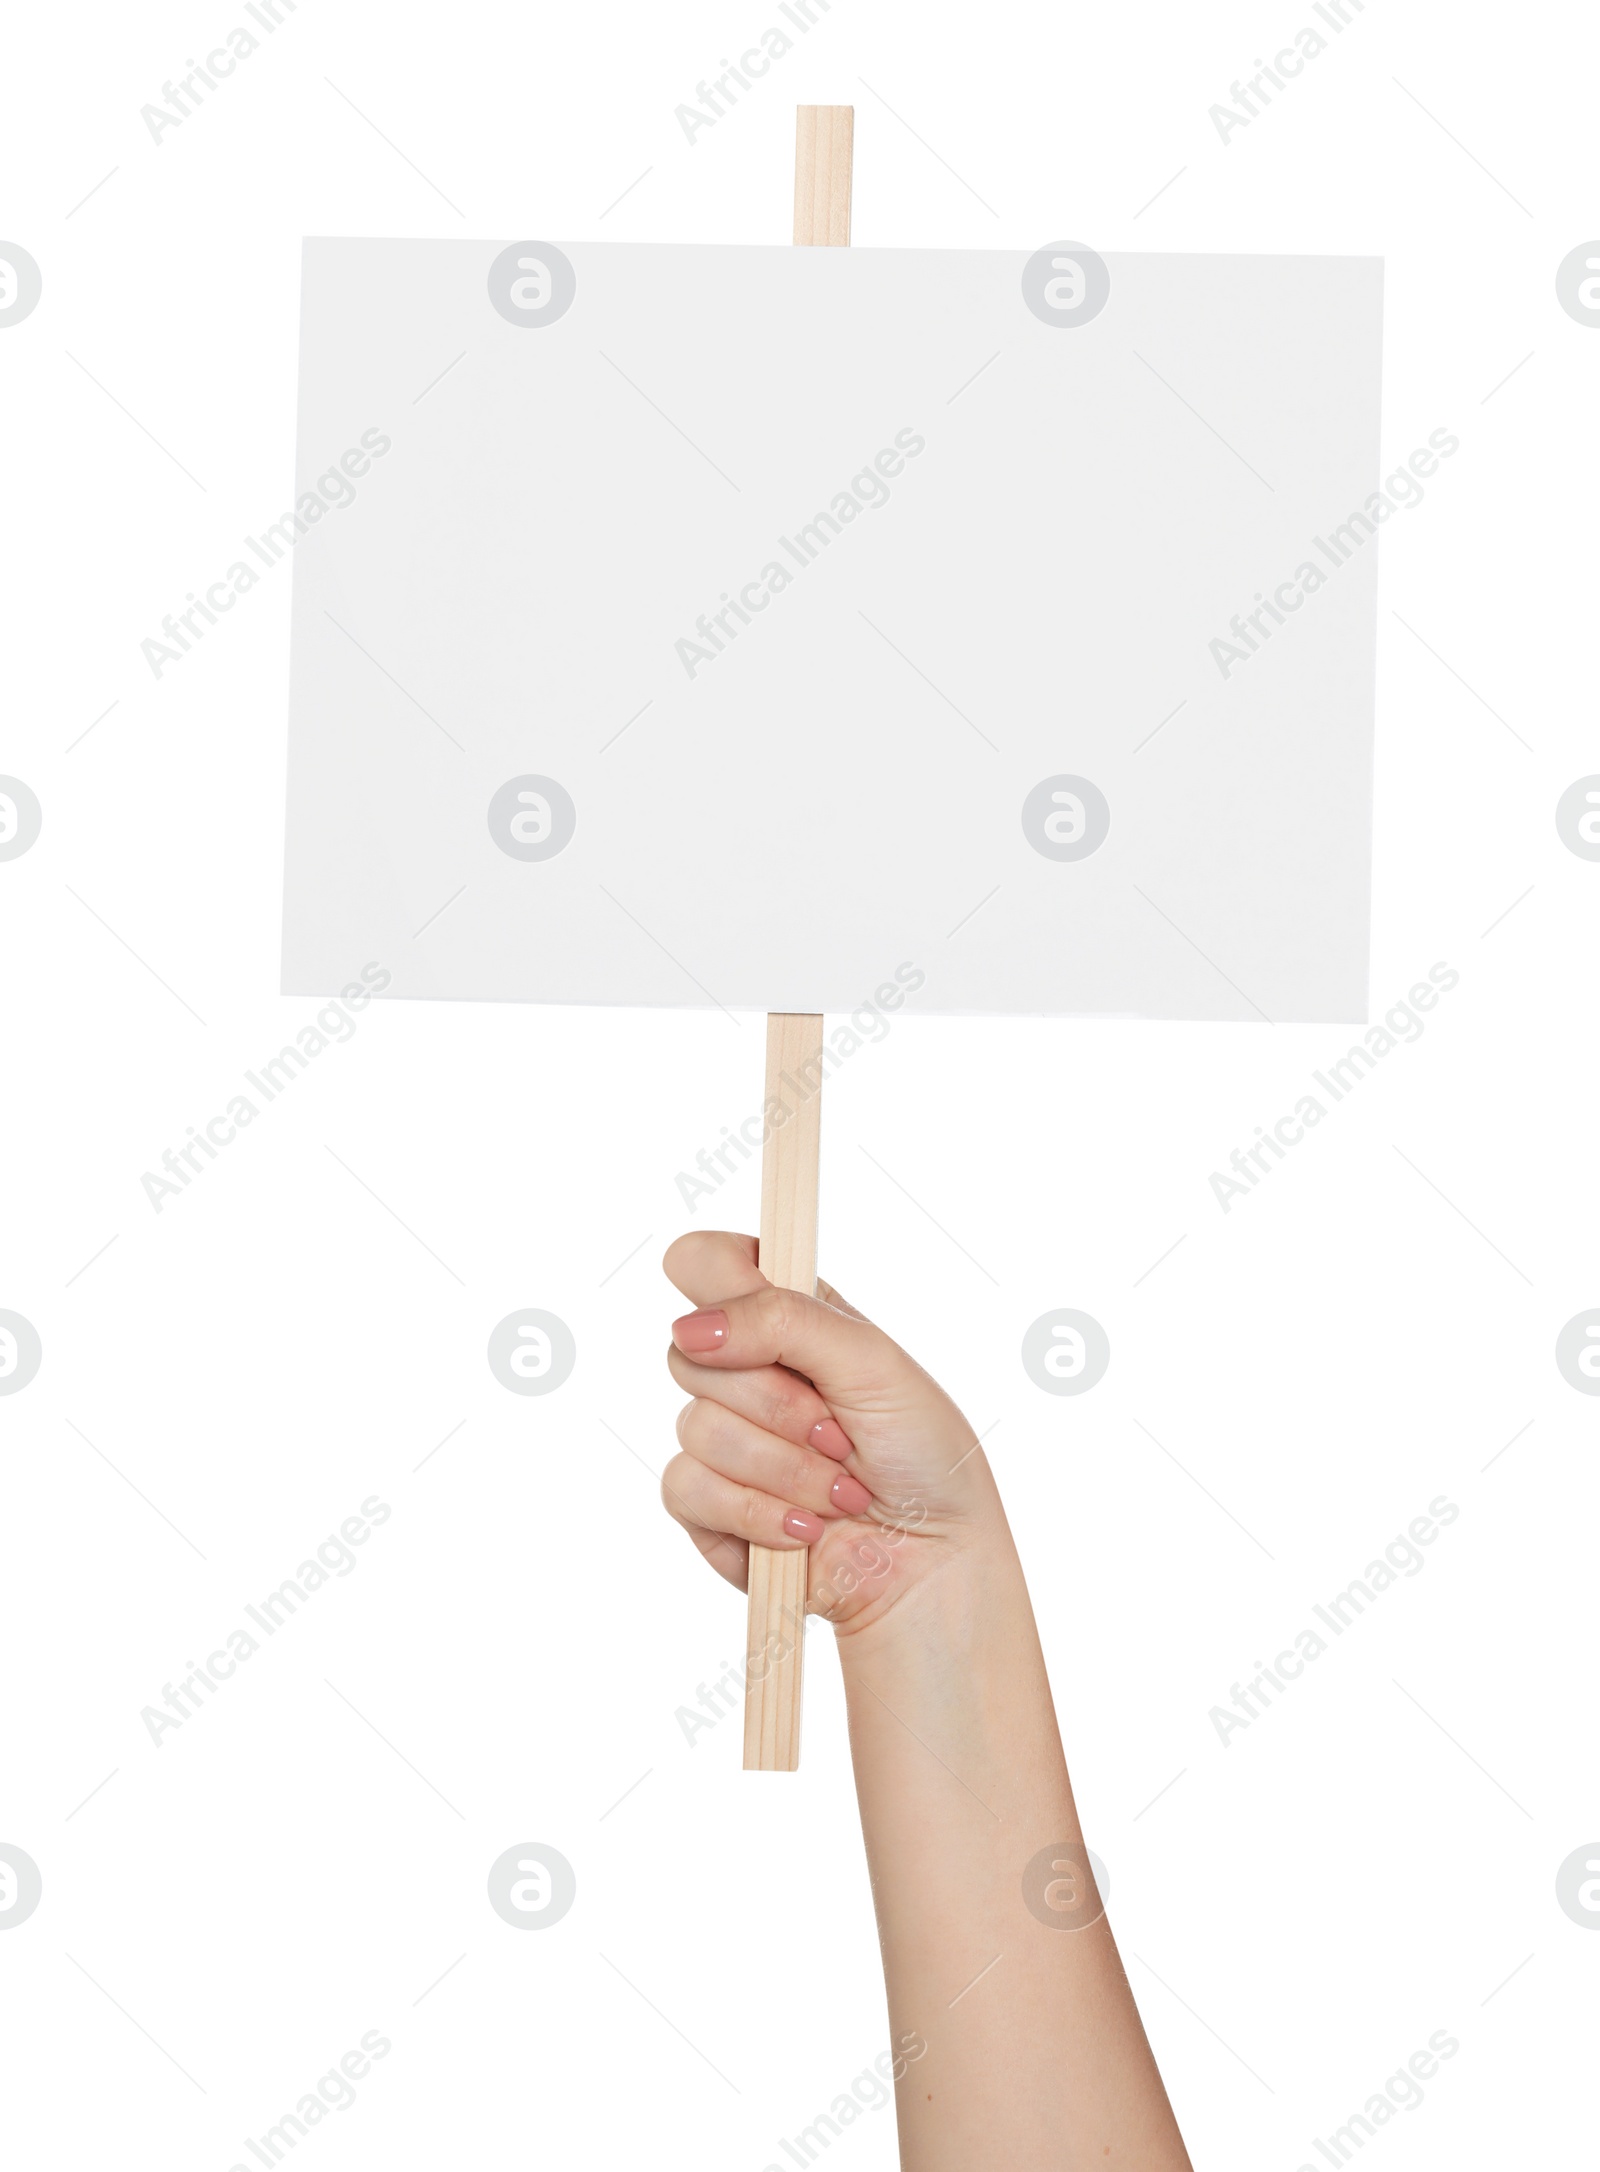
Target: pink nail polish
point(829, 1438)
point(799, 1525)
point(849, 1495)
point(699, 1332)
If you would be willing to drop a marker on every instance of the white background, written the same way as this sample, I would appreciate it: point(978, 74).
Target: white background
point(1368, 1864)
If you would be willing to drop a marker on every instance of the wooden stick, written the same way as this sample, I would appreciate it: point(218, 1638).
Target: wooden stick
point(823, 140)
point(776, 1638)
point(775, 1643)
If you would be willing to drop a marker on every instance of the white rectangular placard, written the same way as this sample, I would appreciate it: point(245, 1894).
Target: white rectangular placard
point(679, 626)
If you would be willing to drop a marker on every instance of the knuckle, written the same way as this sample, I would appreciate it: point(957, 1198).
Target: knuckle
point(774, 1309)
point(701, 1427)
point(800, 1478)
point(788, 1403)
point(675, 1480)
point(754, 1510)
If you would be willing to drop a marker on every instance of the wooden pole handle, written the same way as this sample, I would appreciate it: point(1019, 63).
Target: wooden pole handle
point(824, 138)
point(775, 1644)
point(775, 1655)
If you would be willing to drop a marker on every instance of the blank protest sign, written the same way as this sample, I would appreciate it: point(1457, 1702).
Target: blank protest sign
point(985, 696)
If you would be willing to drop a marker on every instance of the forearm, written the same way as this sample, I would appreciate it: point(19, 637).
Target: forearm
point(1019, 2044)
point(1035, 2056)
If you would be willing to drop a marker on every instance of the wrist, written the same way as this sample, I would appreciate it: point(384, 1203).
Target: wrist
point(952, 1676)
point(959, 1595)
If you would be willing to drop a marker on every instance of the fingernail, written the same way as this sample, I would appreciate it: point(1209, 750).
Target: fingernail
point(848, 1495)
point(698, 1332)
point(799, 1525)
point(829, 1438)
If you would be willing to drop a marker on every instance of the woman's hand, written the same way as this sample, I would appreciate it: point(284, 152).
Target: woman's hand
point(810, 1427)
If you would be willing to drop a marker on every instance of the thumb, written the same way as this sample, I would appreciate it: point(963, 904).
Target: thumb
point(850, 1361)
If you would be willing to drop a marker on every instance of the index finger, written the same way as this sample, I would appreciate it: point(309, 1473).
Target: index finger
point(710, 1264)
point(851, 1361)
